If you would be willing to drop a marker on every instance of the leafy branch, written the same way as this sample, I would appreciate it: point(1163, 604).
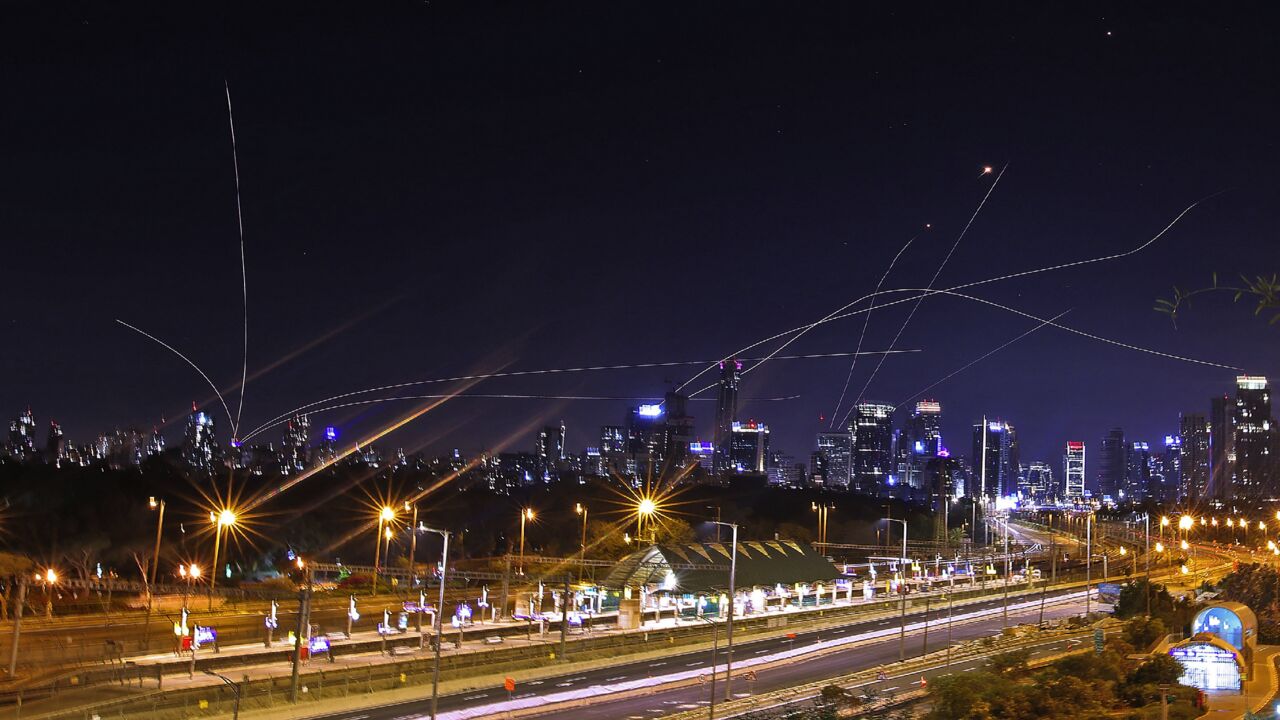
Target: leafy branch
point(1265, 291)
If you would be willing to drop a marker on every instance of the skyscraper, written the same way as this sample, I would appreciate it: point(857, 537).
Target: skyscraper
point(1194, 456)
point(1252, 444)
point(1138, 476)
point(1039, 482)
point(1073, 471)
point(22, 436)
point(726, 412)
point(1112, 466)
point(200, 447)
point(872, 447)
point(550, 449)
point(995, 452)
point(294, 444)
point(926, 429)
point(837, 451)
point(748, 447)
point(1221, 452)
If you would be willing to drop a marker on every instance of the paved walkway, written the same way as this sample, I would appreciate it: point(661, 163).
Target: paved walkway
point(1256, 694)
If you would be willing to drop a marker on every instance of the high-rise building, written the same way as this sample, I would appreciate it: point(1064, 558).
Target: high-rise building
point(293, 445)
point(155, 445)
point(925, 428)
point(1139, 484)
point(1250, 476)
point(1039, 482)
point(873, 464)
point(748, 447)
point(550, 449)
point(784, 471)
point(836, 464)
point(1166, 471)
point(55, 446)
point(1221, 450)
point(1194, 456)
point(995, 465)
point(726, 412)
point(328, 450)
point(678, 432)
point(1073, 471)
point(646, 440)
point(200, 447)
point(818, 472)
point(22, 436)
point(1112, 466)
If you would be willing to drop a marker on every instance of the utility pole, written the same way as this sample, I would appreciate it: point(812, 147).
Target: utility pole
point(1088, 561)
point(304, 597)
point(564, 617)
point(1148, 522)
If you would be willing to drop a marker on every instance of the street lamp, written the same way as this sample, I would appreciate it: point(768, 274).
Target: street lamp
point(385, 515)
point(902, 618)
point(224, 518)
point(822, 510)
point(525, 515)
point(444, 570)
point(413, 539)
point(155, 504)
point(644, 509)
point(581, 509)
point(733, 573)
point(48, 578)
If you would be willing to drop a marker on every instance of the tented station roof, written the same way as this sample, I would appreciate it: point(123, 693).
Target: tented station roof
point(704, 567)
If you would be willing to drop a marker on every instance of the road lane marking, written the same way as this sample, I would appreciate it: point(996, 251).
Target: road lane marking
point(471, 697)
point(612, 679)
point(657, 664)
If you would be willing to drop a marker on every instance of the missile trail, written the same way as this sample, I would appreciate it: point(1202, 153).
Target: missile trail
point(976, 283)
point(934, 279)
point(175, 351)
point(862, 335)
point(521, 373)
point(1044, 323)
point(244, 275)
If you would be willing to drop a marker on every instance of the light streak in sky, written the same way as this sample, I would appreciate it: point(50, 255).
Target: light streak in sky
point(1015, 311)
point(491, 396)
point(521, 373)
point(999, 278)
point(865, 323)
point(285, 486)
point(975, 361)
point(244, 276)
point(175, 351)
point(934, 279)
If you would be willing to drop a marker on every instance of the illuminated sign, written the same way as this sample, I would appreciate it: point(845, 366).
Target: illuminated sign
point(318, 645)
point(702, 448)
point(204, 635)
point(331, 433)
point(649, 410)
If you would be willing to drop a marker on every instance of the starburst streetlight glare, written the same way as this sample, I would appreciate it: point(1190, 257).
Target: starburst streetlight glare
point(1185, 522)
point(647, 506)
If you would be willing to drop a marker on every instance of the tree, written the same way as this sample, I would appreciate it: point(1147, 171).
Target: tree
point(1264, 291)
point(1013, 662)
point(12, 567)
point(1160, 669)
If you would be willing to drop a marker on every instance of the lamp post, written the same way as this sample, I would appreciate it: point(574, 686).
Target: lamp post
point(1148, 561)
point(385, 515)
point(525, 515)
point(48, 578)
point(1088, 561)
point(733, 572)
point(444, 572)
point(581, 509)
point(822, 511)
point(644, 510)
point(413, 540)
point(223, 519)
point(902, 616)
point(155, 556)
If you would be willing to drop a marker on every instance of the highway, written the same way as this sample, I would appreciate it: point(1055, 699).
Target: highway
point(831, 664)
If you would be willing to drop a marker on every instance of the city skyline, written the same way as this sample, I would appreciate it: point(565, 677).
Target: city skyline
point(385, 276)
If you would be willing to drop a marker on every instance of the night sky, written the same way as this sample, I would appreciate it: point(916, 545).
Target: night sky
point(451, 187)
